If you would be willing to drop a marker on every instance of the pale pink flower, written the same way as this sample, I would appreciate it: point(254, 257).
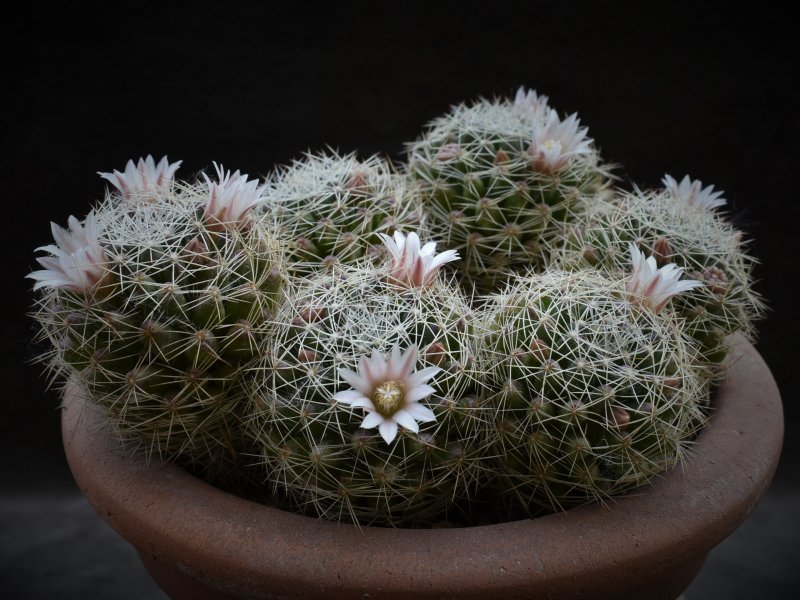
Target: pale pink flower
point(389, 391)
point(78, 260)
point(693, 193)
point(652, 286)
point(144, 178)
point(530, 104)
point(411, 265)
point(556, 142)
point(230, 199)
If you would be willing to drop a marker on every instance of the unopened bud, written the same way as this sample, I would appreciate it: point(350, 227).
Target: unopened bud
point(500, 157)
point(196, 251)
point(357, 181)
point(435, 354)
point(620, 417)
point(715, 280)
point(306, 355)
point(312, 314)
point(590, 255)
point(540, 350)
point(662, 251)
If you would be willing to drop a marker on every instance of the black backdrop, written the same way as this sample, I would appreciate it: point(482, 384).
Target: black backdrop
point(676, 88)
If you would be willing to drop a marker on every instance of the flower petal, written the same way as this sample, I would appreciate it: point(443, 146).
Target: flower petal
point(144, 177)
point(420, 377)
point(420, 412)
point(388, 431)
point(419, 392)
point(373, 419)
point(404, 418)
point(394, 250)
point(413, 265)
point(653, 286)
point(357, 381)
point(230, 198)
point(400, 365)
point(348, 396)
point(77, 259)
point(407, 362)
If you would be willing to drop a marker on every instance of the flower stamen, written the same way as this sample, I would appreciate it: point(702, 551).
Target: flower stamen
point(388, 397)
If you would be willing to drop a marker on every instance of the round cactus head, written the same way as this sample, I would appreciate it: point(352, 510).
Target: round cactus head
point(594, 390)
point(676, 225)
point(501, 179)
point(156, 302)
point(331, 209)
point(366, 406)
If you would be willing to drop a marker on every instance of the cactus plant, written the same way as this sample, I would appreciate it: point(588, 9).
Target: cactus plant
point(594, 386)
point(501, 179)
point(677, 224)
point(301, 328)
point(331, 208)
point(156, 302)
point(348, 329)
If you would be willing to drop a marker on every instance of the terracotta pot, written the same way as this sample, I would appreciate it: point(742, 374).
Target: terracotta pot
point(199, 542)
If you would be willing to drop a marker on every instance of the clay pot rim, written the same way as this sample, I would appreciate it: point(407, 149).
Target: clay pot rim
point(217, 537)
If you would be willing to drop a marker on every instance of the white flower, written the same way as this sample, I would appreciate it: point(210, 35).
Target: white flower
point(556, 142)
point(653, 286)
point(230, 198)
point(145, 178)
point(529, 104)
point(389, 391)
point(78, 260)
point(410, 265)
point(693, 193)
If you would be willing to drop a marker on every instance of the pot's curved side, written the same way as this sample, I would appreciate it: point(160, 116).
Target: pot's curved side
point(650, 544)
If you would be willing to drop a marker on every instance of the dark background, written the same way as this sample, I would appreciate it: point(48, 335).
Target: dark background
point(672, 88)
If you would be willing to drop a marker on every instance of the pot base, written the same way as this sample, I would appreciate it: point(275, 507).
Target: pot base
point(650, 543)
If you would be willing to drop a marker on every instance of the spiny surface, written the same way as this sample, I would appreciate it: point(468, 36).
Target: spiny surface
point(330, 209)
point(313, 447)
point(486, 197)
point(592, 395)
point(700, 242)
point(160, 341)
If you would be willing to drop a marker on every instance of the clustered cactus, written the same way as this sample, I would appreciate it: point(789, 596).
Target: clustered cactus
point(305, 332)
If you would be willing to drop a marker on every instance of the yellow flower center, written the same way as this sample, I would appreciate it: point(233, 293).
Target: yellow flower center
point(552, 145)
point(388, 397)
